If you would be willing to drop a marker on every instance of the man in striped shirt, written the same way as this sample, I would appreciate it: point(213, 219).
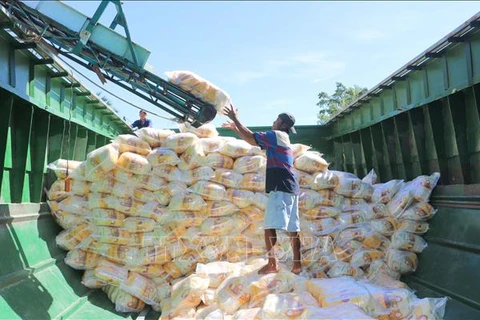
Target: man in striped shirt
point(281, 185)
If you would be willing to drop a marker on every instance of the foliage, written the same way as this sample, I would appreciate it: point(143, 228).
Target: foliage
point(330, 105)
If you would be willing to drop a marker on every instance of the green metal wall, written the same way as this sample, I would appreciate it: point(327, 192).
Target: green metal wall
point(46, 115)
point(423, 122)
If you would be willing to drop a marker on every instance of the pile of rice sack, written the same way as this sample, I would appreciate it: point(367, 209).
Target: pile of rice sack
point(174, 220)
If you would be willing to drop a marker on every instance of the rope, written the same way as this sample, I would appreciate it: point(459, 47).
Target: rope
point(67, 179)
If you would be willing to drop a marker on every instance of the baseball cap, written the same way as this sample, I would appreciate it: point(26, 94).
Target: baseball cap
point(289, 120)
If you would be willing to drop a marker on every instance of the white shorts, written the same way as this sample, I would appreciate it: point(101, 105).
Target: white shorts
point(282, 212)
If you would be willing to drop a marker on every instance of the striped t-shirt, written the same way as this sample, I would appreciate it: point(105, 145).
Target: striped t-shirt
point(279, 161)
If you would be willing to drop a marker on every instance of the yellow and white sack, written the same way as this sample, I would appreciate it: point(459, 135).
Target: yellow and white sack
point(200, 88)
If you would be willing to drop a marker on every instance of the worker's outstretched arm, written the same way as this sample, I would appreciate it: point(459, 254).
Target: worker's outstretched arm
point(244, 133)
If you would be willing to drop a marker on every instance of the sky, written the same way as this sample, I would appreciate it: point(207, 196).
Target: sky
point(276, 56)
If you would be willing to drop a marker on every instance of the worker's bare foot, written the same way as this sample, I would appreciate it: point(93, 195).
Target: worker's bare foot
point(297, 268)
point(268, 268)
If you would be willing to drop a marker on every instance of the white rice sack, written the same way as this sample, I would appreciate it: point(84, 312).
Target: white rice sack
point(154, 137)
point(134, 163)
point(238, 148)
point(161, 156)
point(210, 145)
point(299, 149)
point(59, 167)
point(200, 88)
point(311, 162)
point(207, 130)
point(100, 161)
point(131, 143)
point(249, 164)
point(179, 142)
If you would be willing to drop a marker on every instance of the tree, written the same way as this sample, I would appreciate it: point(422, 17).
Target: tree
point(330, 105)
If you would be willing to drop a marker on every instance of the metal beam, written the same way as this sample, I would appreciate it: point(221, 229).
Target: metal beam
point(59, 74)
point(44, 61)
point(25, 45)
point(89, 27)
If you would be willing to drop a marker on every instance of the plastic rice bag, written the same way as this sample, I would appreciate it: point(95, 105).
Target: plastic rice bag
point(228, 178)
point(260, 200)
point(408, 241)
point(217, 160)
point(305, 180)
point(241, 198)
point(179, 142)
point(200, 88)
point(341, 290)
point(139, 224)
point(320, 212)
point(217, 271)
point(236, 148)
point(209, 190)
point(124, 302)
point(384, 192)
point(309, 199)
point(187, 202)
point(207, 130)
point(384, 226)
point(422, 186)
point(225, 225)
point(412, 226)
point(89, 280)
point(419, 211)
point(110, 234)
point(169, 172)
point(193, 156)
point(69, 239)
point(400, 202)
point(131, 143)
point(397, 302)
point(99, 161)
point(346, 311)
point(220, 208)
point(77, 187)
point(81, 259)
point(354, 188)
point(182, 265)
point(141, 287)
point(234, 292)
point(311, 162)
point(428, 308)
point(250, 164)
point(199, 174)
point(281, 282)
point(153, 255)
point(299, 149)
point(210, 145)
point(111, 273)
point(161, 156)
point(134, 163)
point(66, 219)
point(403, 262)
point(116, 253)
point(59, 167)
point(154, 137)
point(325, 180)
point(371, 178)
point(340, 269)
point(364, 257)
point(253, 182)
